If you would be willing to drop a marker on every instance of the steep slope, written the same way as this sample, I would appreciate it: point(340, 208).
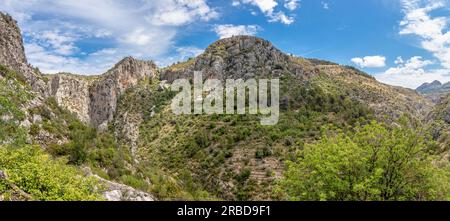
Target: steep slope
point(234, 157)
point(12, 54)
point(439, 119)
point(93, 99)
point(49, 111)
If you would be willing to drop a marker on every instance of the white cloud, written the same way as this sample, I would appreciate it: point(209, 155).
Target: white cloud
point(146, 29)
point(432, 32)
point(235, 3)
point(370, 61)
point(226, 31)
point(412, 73)
point(325, 5)
point(399, 60)
point(292, 4)
point(181, 12)
point(434, 37)
point(267, 7)
point(281, 17)
point(189, 52)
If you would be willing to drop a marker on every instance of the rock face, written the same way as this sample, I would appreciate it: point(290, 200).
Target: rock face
point(94, 99)
point(113, 191)
point(120, 192)
point(71, 92)
point(104, 92)
point(232, 58)
point(12, 53)
point(241, 56)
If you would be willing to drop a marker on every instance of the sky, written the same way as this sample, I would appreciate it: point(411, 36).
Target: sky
point(400, 42)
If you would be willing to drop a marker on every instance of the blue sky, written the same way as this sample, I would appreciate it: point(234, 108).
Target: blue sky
point(400, 42)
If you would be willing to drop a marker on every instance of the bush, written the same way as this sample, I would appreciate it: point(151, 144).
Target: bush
point(243, 176)
point(375, 163)
point(38, 175)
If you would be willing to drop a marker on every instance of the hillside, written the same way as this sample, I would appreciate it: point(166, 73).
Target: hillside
point(118, 128)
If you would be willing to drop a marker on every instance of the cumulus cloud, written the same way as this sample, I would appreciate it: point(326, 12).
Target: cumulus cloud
point(370, 61)
point(325, 5)
point(180, 12)
point(55, 31)
point(412, 73)
point(267, 7)
point(434, 37)
point(292, 4)
point(228, 30)
point(431, 31)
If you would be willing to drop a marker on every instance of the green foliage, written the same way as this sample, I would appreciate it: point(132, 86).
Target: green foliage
point(13, 95)
point(211, 148)
point(99, 150)
point(374, 163)
point(85, 146)
point(44, 178)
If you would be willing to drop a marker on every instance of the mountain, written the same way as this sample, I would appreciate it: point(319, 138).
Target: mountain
point(31, 103)
point(434, 90)
point(118, 128)
point(434, 87)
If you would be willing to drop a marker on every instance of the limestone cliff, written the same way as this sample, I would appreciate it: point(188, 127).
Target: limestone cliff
point(12, 53)
point(105, 92)
point(232, 58)
point(71, 92)
point(94, 99)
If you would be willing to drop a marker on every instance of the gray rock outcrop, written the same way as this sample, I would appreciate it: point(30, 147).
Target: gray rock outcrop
point(105, 92)
point(92, 99)
point(12, 53)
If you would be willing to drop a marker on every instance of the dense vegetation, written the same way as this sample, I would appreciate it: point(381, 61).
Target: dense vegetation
point(232, 156)
point(13, 94)
point(374, 163)
point(34, 175)
point(29, 173)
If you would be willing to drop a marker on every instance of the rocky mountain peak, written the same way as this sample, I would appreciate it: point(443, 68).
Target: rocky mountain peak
point(425, 87)
point(241, 57)
point(105, 92)
point(12, 53)
point(129, 71)
point(94, 99)
point(232, 58)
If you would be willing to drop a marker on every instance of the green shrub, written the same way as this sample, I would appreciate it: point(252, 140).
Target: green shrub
point(44, 178)
point(374, 163)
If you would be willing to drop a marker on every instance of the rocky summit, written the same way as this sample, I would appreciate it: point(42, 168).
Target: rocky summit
point(342, 135)
point(435, 90)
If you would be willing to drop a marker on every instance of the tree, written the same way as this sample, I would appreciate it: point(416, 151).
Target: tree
point(373, 163)
point(43, 178)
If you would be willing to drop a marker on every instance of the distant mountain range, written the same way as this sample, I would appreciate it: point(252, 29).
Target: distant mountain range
point(434, 87)
point(435, 90)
